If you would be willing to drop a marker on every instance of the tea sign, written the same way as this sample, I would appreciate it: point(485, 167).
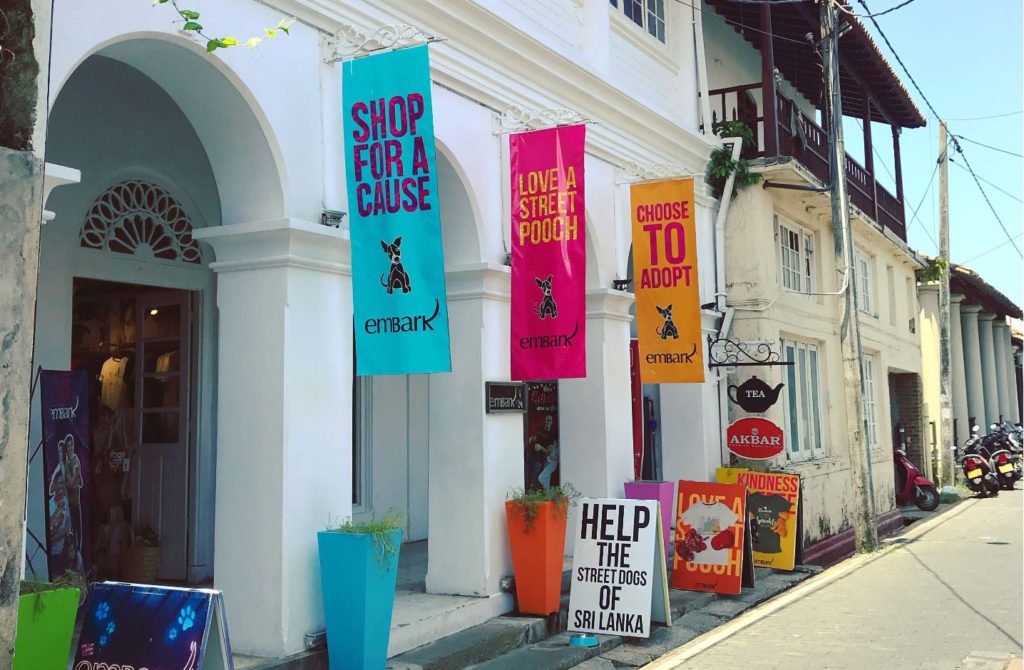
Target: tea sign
point(754, 395)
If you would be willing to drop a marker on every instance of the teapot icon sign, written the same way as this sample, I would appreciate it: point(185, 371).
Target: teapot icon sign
point(754, 395)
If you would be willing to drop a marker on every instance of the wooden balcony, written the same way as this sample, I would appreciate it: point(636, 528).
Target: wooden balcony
point(799, 136)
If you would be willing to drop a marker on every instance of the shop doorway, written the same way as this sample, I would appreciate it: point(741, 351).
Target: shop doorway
point(136, 345)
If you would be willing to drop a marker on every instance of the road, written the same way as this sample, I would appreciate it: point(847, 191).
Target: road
point(946, 597)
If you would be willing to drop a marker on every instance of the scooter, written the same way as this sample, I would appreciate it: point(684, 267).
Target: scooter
point(1011, 441)
point(998, 446)
point(977, 467)
point(911, 485)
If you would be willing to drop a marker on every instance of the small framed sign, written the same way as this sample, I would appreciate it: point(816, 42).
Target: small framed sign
point(505, 397)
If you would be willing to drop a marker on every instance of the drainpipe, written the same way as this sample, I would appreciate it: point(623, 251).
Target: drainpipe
point(720, 294)
point(702, 72)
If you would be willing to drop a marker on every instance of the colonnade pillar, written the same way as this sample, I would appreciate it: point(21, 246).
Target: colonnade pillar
point(972, 364)
point(989, 376)
point(284, 425)
point(958, 374)
point(475, 458)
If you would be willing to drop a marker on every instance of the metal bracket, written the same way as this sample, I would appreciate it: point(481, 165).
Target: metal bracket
point(349, 42)
point(515, 119)
point(735, 353)
point(632, 172)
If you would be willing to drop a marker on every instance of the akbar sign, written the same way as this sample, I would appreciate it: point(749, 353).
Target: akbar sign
point(756, 438)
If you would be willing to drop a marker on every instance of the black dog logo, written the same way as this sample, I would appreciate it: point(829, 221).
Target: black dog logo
point(397, 277)
point(668, 329)
point(547, 305)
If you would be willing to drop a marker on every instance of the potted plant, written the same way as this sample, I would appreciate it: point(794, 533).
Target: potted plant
point(46, 622)
point(536, 531)
point(358, 571)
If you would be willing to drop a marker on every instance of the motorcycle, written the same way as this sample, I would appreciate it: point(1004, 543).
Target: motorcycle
point(1000, 449)
point(911, 485)
point(977, 466)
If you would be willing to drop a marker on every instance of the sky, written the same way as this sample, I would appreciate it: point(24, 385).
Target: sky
point(967, 59)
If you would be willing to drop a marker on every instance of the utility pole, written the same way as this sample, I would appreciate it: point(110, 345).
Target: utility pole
point(945, 357)
point(864, 527)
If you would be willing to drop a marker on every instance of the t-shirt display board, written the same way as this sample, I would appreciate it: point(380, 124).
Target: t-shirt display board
point(141, 626)
point(618, 573)
point(710, 520)
point(772, 501)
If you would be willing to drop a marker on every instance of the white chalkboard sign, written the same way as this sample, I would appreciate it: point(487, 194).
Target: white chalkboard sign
point(618, 568)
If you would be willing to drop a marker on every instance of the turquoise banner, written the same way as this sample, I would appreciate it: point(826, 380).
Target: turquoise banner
point(401, 313)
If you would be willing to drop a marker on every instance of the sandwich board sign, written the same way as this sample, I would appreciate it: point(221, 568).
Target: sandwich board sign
point(618, 583)
point(155, 627)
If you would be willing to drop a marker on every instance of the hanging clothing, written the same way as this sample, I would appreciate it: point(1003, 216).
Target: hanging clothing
point(112, 382)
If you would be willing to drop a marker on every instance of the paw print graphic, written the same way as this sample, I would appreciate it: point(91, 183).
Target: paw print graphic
point(103, 640)
point(110, 627)
point(102, 611)
point(172, 634)
point(187, 618)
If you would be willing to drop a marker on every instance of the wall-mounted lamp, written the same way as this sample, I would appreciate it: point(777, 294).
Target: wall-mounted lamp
point(331, 218)
point(621, 284)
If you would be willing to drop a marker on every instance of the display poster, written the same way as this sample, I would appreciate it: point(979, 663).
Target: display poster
point(541, 454)
point(728, 475)
point(64, 401)
point(617, 568)
point(710, 520)
point(772, 502)
point(665, 282)
point(137, 626)
point(549, 260)
point(399, 300)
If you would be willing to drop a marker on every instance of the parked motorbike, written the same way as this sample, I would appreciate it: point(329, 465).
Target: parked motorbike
point(911, 485)
point(978, 469)
point(1000, 449)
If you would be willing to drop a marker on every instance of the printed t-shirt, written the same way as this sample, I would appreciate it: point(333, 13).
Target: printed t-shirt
point(709, 521)
point(766, 508)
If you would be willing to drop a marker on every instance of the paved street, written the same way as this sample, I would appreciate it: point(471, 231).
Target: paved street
point(946, 598)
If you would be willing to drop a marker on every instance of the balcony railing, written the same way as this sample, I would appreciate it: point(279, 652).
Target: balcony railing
point(802, 138)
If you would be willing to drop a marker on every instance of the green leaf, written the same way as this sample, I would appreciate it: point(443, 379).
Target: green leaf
point(192, 25)
point(212, 46)
point(228, 42)
point(270, 33)
point(252, 42)
point(189, 14)
point(284, 25)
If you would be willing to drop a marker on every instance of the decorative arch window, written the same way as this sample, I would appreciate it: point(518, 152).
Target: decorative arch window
point(138, 218)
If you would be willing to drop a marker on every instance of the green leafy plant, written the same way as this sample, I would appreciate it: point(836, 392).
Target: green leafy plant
point(379, 530)
point(721, 164)
point(192, 25)
point(528, 502)
point(934, 271)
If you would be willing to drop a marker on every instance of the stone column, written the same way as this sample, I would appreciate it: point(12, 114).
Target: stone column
point(596, 414)
point(1000, 338)
point(475, 458)
point(989, 377)
point(1015, 360)
point(284, 422)
point(972, 364)
point(959, 375)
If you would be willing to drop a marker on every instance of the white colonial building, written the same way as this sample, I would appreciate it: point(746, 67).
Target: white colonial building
point(191, 273)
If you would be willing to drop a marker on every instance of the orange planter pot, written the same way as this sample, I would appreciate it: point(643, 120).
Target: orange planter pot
point(537, 556)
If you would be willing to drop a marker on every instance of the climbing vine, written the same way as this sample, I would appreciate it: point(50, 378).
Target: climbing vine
point(721, 164)
point(935, 269)
point(192, 25)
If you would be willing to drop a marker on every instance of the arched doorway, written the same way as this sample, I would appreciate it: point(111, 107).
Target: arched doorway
point(126, 292)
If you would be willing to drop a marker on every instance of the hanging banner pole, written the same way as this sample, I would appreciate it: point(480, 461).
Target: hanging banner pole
point(548, 254)
point(399, 298)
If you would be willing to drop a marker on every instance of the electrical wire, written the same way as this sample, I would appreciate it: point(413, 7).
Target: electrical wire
point(955, 141)
point(846, 10)
point(913, 216)
point(995, 248)
point(986, 118)
point(746, 27)
point(1004, 192)
point(987, 146)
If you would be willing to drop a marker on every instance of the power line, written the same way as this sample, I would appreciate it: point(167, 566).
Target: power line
point(1004, 192)
point(746, 27)
point(927, 190)
point(995, 248)
point(846, 10)
point(987, 146)
point(986, 118)
point(953, 138)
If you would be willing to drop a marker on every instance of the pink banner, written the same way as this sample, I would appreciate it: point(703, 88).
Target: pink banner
point(548, 254)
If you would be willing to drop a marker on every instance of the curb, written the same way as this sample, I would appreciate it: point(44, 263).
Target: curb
point(801, 590)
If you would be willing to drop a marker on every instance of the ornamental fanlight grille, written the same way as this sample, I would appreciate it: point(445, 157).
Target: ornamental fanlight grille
point(138, 218)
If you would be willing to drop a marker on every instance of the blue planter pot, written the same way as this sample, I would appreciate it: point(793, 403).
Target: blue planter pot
point(359, 592)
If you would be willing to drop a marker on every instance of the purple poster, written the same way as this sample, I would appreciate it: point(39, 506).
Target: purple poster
point(159, 628)
point(65, 408)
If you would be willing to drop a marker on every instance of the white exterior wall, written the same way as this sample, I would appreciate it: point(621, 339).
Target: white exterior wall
point(251, 144)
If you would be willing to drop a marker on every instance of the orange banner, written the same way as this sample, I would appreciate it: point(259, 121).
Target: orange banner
point(665, 282)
